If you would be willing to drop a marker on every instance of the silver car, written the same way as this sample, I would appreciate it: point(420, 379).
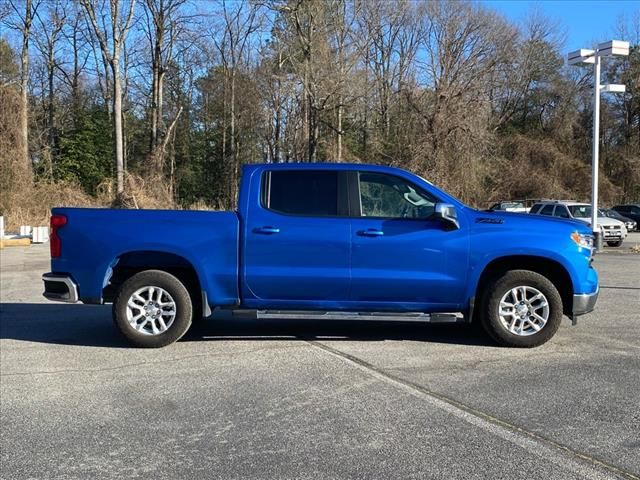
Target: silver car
point(613, 231)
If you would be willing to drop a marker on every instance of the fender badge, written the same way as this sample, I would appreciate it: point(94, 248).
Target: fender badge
point(489, 220)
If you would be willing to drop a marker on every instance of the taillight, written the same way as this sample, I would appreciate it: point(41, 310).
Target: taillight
point(57, 221)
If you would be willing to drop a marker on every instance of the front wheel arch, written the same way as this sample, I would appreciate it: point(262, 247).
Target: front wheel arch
point(551, 269)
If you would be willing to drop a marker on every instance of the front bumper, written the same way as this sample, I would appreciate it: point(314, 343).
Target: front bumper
point(583, 303)
point(613, 234)
point(60, 288)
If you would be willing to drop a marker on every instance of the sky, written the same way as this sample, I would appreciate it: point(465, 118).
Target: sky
point(585, 21)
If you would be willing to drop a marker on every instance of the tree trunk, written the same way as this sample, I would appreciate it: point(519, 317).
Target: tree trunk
point(75, 83)
point(339, 159)
point(276, 133)
point(24, 89)
point(153, 141)
point(117, 126)
point(305, 112)
point(234, 153)
point(313, 142)
point(160, 104)
point(51, 114)
point(224, 134)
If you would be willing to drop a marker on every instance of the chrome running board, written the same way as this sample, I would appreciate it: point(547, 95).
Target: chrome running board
point(349, 316)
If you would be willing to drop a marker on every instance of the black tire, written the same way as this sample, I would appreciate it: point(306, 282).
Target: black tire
point(617, 243)
point(181, 298)
point(490, 318)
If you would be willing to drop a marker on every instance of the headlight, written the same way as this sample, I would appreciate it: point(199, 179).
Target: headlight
point(582, 239)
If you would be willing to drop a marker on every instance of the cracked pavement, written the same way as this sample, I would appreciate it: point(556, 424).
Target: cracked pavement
point(308, 399)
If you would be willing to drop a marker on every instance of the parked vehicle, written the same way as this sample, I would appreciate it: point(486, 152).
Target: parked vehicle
point(326, 241)
point(613, 231)
point(509, 206)
point(629, 224)
point(630, 210)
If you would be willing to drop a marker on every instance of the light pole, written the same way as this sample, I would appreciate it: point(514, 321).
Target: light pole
point(584, 57)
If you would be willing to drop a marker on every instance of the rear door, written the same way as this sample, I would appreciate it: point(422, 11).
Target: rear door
point(402, 258)
point(297, 248)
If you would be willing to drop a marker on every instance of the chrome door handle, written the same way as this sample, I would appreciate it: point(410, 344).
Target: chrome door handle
point(267, 230)
point(371, 232)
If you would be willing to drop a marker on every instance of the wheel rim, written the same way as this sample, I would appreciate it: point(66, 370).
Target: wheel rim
point(524, 310)
point(151, 310)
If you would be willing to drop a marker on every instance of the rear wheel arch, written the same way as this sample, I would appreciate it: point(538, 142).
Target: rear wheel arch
point(129, 264)
point(554, 271)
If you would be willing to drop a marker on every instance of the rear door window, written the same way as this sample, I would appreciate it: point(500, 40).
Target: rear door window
point(547, 210)
point(301, 192)
point(535, 208)
point(561, 211)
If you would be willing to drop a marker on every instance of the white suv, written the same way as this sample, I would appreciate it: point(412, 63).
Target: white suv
point(613, 231)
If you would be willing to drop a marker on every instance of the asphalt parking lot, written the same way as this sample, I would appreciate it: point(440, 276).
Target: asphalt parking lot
point(316, 400)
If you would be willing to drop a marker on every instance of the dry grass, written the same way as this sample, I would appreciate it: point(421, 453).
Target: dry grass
point(150, 192)
point(23, 201)
point(536, 168)
point(32, 205)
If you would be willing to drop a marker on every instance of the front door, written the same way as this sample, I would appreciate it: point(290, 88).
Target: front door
point(297, 241)
point(401, 258)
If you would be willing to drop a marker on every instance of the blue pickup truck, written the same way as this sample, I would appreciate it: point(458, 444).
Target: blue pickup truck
point(326, 241)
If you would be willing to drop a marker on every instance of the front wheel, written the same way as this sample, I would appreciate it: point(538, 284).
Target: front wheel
point(616, 243)
point(521, 309)
point(152, 309)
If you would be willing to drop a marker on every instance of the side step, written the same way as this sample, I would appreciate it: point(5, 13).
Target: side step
point(350, 316)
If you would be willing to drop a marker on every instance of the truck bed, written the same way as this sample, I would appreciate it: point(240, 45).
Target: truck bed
point(95, 241)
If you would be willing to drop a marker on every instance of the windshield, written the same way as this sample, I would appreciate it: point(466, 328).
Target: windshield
point(580, 211)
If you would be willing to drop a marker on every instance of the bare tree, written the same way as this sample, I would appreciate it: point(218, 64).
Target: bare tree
point(464, 44)
point(74, 34)
point(47, 41)
point(239, 23)
point(24, 15)
point(111, 31)
point(391, 33)
point(163, 26)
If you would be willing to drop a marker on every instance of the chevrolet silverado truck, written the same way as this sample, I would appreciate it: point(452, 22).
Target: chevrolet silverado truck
point(326, 241)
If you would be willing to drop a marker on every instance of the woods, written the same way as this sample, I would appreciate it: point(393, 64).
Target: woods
point(158, 103)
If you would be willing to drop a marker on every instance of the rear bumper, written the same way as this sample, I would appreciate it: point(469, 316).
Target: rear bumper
point(584, 303)
point(60, 288)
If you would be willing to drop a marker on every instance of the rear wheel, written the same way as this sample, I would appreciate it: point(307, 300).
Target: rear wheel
point(152, 309)
point(521, 309)
point(616, 243)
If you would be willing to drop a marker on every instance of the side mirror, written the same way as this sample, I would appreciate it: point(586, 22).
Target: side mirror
point(447, 213)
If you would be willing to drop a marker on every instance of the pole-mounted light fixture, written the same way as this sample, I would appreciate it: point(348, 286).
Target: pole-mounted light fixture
point(593, 57)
